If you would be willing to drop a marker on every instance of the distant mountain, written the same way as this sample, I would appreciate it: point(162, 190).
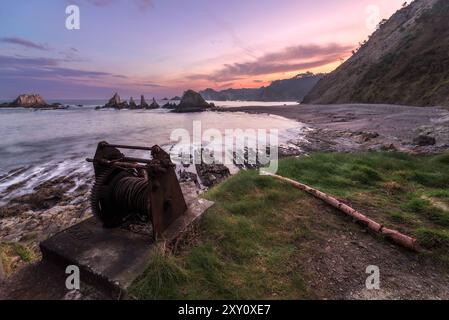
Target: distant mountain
point(232, 94)
point(404, 62)
point(294, 89)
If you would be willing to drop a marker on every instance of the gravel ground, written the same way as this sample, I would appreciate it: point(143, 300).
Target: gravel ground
point(362, 127)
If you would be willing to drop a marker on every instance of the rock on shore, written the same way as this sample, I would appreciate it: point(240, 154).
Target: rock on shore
point(153, 105)
point(143, 103)
point(116, 103)
point(192, 102)
point(132, 103)
point(31, 101)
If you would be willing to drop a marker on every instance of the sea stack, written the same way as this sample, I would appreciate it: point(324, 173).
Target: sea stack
point(132, 103)
point(143, 103)
point(154, 105)
point(116, 103)
point(192, 101)
point(31, 101)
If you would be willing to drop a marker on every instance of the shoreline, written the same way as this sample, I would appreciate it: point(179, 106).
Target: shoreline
point(365, 127)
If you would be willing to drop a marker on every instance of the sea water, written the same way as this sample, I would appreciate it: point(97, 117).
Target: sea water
point(36, 146)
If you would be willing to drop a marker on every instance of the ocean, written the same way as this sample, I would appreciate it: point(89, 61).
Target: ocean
point(36, 146)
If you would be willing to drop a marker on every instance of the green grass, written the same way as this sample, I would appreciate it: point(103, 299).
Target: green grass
point(246, 250)
point(254, 242)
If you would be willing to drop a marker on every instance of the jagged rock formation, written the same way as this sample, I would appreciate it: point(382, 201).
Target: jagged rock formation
point(192, 102)
point(294, 89)
point(143, 103)
point(404, 62)
point(176, 98)
point(169, 105)
point(132, 103)
point(116, 103)
point(31, 101)
point(115, 100)
point(154, 105)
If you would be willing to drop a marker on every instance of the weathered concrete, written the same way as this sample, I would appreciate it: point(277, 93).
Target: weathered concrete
point(113, 258)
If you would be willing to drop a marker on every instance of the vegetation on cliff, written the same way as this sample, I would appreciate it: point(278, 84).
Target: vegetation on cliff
point(404, 62)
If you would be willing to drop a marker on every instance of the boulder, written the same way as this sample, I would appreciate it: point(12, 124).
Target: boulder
point(192, 102)
point(143, 103)
point(424, 140)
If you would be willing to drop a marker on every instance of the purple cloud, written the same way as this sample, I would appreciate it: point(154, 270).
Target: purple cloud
point(50, 77)
point(142, 4)
point(43, 67)
point(25, 43)
point(151, 85)
point(21, 62)
point(286, 60)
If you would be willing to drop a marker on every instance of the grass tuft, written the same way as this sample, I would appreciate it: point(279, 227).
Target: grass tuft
point(160, 279)
point(433, 239)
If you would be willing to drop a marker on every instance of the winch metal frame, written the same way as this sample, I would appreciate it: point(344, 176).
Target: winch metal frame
point(165, 201)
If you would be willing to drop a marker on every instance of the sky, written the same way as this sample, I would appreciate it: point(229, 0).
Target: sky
point(162, 47)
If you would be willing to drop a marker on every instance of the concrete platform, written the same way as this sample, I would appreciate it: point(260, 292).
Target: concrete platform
point(112, 258)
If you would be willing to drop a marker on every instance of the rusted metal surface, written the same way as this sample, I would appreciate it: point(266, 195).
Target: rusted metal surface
point(128, 188)
point(394, 235)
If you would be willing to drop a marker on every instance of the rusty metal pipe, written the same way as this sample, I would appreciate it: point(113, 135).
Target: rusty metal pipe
point(117, 163)
point(119, 146)
point(394, 235)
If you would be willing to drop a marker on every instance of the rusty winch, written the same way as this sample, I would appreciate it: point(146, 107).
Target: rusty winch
point(127, 187)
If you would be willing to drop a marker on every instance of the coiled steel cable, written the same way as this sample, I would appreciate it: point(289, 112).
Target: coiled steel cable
point(132, 193)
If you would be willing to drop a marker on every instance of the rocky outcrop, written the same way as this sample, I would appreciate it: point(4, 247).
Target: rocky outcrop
point(132, 103)
point(211, 174)
point(176, 98)
point(153, 105)
point(143, 103)
point(31, 101)
point(192, 102)
point(169, 105)
point(116, 103)
point(424, 140)
point(404, 62)
point(115, 100)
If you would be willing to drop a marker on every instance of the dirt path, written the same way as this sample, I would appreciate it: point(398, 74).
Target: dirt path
point(339, 252)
